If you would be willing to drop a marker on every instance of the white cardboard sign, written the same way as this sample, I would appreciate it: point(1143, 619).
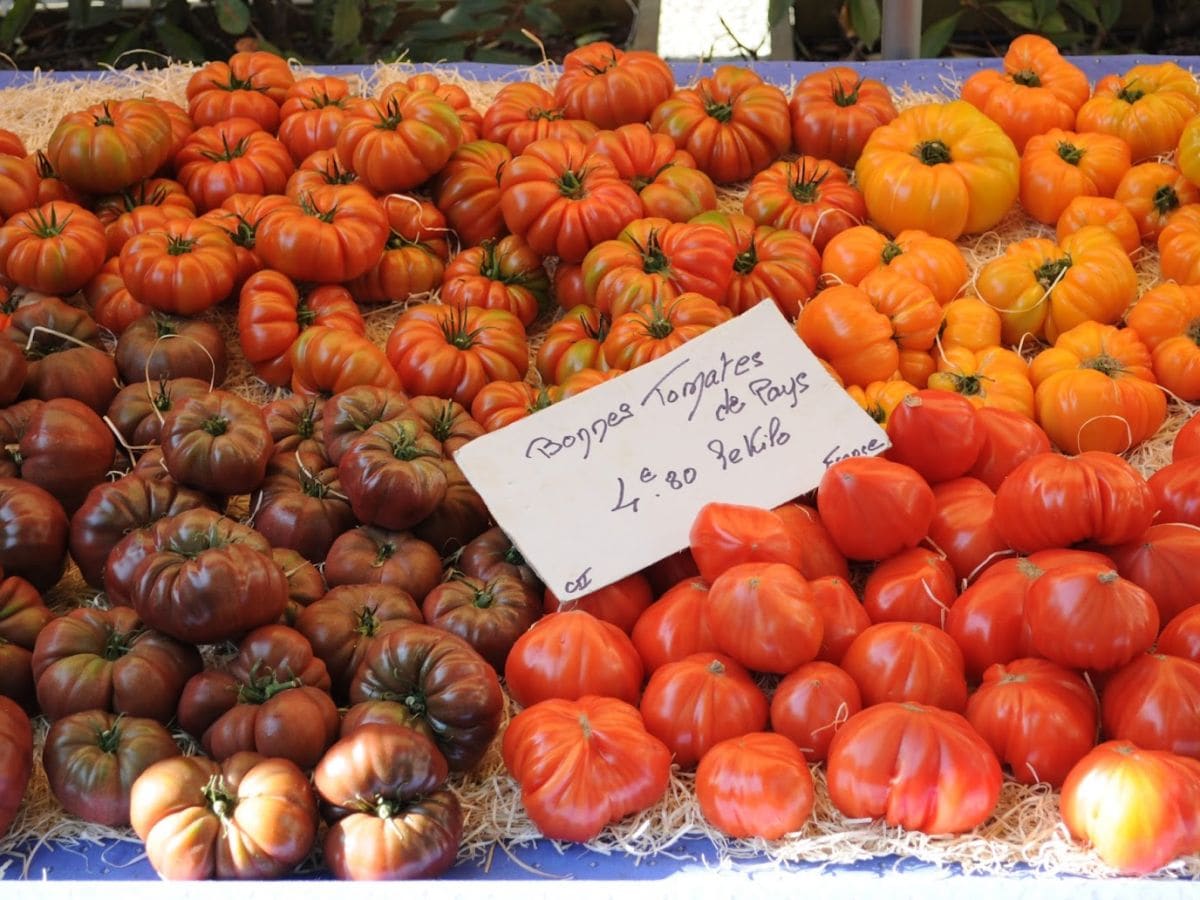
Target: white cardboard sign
point(601, 485)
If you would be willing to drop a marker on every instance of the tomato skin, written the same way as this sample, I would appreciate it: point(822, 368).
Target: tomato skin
point(915, 585)
point(185, 268)
point(674, 626)
point(33, 539)
point(727, 534)
point(811, 704)
point(764, 616)
point(916, 766)
point(390, 814)
point(894, 497)
point(16, 759)
point(178, 806)
point(110, 146)
point(1039, 718)
point(217, 443)
point(819, 556)
point(250, 83)
point(1181, 636)
point(1175, 488)
point(467, 191)
point(1154, 702)
point(93, 757)
point(584, 763)
point(963, 526)
point(811, 196)
point(369, 555)
point(233, 156)
point(1137, 808)
point(834, 111)
point(1085, 616)
point(505, 274)
point(326, 361)
point(1010, 438)
point(755, 785)
point(18, 185)
point(489, 615)
point(391, 475)
point(699, 701)
point(1187, 441)
point(601, 660)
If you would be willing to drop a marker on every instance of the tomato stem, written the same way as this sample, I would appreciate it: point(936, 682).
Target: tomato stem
point(1104, 364)
point(1165, 199)
point(483, 598)
point(1193, 331)
point(1049, 273)
point(513, 556)
point(219, 799)
point(180, 246)
point(109, 739)
point(842, 97)
point(967, 385)
point(654, 260)
point(722, 112)
point(745, 261)
point(550, 115)
point(570, 184)
point(215, 425)
point(1130, 94)
point(932, 153)
point(1027, 78)
point(118, 643)
point(803, 185)
point(890, 251)
point(383, 553)
point(366, 622)
point(1069, 153)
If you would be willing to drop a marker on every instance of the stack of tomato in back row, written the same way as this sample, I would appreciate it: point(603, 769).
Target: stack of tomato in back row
point(140, 219)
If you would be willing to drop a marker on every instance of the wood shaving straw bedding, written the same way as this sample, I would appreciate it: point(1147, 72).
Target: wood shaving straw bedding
point(1025, 829)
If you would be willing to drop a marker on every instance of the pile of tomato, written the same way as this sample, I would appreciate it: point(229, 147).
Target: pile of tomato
point(1026, 592)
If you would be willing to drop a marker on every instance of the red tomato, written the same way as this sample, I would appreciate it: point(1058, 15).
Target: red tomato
point(1039, 718)
point(1181, 636)
point(724, 535)
point(1137, 808)
point(963, 526)
point(811, 704)
point(842, 615)
point(1056, 501)
point(874, 508)
point(582, 764)
point(1085, 616)
point(936, 433)
point(1009, 439)
point(1154, 702)
point(55, 248)
point(570, 655)
point(915, 766)
point(184, 268)
point(764, 616)
point(907, 662)
point(915, 585)
point(1176, 487)
point(674, 626)
point(819, 556)
point(755, 785)
point(1163, 561)
point(16, 759)
point(1187, 441)
point(621, 603)
point(700, 700)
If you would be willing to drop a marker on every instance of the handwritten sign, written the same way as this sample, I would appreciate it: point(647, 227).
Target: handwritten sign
point(603, 484)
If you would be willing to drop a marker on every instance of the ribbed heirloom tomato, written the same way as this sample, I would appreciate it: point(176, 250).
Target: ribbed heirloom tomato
point(610, 87)
point(251, 84)
point(755, 785)
point(184, 268)
point(835, 110)
point(332, 233)
point(110, 146)
point(397, 143)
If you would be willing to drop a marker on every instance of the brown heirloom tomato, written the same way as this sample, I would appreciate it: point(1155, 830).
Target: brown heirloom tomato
point(138, 410)
point(300, 504)
point(295, 424)
point(915, 766)
point(492, 554)
point(66, 449)
point(205, 578)
point(391, 476)
point(369, 555)
point(250, 817)
point(217, 443)
point(274, 699)
point(16, 759)
point(489, 615)
point(391, 816)
point(107, 659)
point(22, 617)
point(584, 763)
point(349, 413)
point(448, 687)
point(33, 533)
point(343, 623)
point(157, 346)
point(92, 758)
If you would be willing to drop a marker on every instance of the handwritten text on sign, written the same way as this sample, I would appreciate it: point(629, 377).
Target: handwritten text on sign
point(609, 481)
